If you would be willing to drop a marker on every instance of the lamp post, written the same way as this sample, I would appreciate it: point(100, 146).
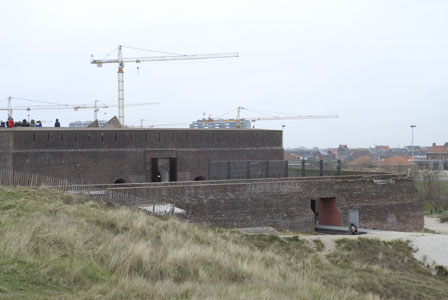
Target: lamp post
point(283, 127)
point(412, 143)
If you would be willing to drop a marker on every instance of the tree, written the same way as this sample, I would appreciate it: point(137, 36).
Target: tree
point(434, 191)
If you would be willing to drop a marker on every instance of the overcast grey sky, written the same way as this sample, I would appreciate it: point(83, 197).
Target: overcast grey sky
point(381, 65)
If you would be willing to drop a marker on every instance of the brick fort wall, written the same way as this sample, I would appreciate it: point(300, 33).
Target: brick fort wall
point(99, 155)
point(387, 202)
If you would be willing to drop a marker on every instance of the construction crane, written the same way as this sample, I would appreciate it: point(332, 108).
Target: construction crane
point(95, 107)
point(120, 60)
point(238, 118)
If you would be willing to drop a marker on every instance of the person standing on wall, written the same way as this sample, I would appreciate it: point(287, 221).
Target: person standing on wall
point(10, 122)
point(57, 124)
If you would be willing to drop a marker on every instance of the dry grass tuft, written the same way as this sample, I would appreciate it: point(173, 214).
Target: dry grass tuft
point(58, 246)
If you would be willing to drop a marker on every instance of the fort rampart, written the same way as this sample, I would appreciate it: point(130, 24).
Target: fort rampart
point(98, 155)
point(386, 202)
point(141, 156)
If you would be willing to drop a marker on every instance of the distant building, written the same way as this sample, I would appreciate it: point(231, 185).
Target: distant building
point(397, 161)
point(415, 148)
point(220, 123)
point(86, 123)
point(438, 152)
point(363, 162)
point(343, 152)
point(381, 148)
point(398, 164)
point(302, 153)
point(360, 152)
point(323, 155)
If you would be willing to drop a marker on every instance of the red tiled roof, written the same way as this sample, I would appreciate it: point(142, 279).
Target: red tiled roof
point(334, 151)
point(385, 148)
point(438, 149)
point(359, 153)
point(288, 156)
point(363, 161)
point(396, 161)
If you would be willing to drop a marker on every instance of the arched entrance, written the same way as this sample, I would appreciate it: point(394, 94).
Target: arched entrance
point(118, 181)
point(328, 212)
point(199, 178)
point(164, 174)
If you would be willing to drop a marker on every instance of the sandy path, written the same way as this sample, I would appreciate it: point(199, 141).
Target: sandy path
point(433, 223)
point(431, 248)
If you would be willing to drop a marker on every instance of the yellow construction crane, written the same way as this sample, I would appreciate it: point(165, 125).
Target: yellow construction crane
point(238, 118)
point(237, 121)
point(55, 106)
point(120, 60)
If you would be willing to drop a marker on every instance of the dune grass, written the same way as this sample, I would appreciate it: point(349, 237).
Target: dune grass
point(56, 246)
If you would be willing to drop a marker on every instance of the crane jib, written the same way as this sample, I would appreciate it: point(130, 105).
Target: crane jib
point(165, 58)
point(120, 60)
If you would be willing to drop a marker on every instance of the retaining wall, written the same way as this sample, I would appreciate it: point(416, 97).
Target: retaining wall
point(386, 202)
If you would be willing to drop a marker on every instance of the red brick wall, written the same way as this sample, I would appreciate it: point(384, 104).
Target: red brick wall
point(387, 202)
point(105, 155)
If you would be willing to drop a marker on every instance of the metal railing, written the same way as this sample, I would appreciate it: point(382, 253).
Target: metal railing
point(91, 192)
point(251, 169)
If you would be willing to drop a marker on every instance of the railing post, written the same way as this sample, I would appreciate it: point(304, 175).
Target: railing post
point(267, 171)
point(286, 168)
point(321, 168)
point(209, 170)
point(339, 168)
point(228, 170)
point(248, 169)
point(303, 168)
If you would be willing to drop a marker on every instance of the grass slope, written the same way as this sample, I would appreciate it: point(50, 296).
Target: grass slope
point(55, 246)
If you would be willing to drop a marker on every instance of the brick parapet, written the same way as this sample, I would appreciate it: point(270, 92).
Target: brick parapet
point(384, 202)
point(106, 155)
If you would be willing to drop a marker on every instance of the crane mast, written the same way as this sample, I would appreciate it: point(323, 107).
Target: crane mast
point(120, 61)
point(120, 87)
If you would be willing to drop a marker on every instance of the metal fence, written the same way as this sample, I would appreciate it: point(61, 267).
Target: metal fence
point(92, 192)
point(249, 169)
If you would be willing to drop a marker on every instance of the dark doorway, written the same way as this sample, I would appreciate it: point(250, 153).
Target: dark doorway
point(163, 169)
point(199, 178)
point(155, 175)
point(118, 181)
point(315, 209)
point(173, 169)
point(328, 212)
